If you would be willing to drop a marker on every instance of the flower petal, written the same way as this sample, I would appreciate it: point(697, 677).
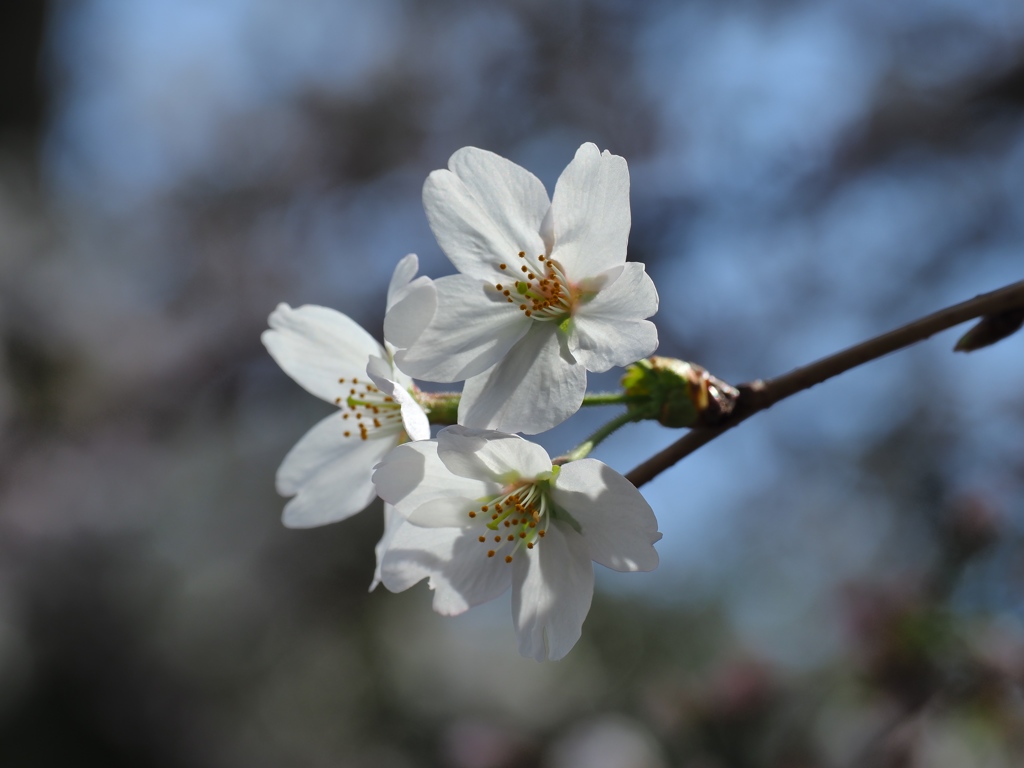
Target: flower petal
point(393, 520)
point(448, 512)
point(329, 474)
point(484, 211)
point(405, 271)
point(415, 421)
point(473, 328)
point(411, 304)
point(316, 346)
point(609, 330)
point(412, 475)
point(460, 574)
point(497, 456)
point(616, 521)
point(552, 587)
point(590, 213)
point(536, 386)
point(410, 314)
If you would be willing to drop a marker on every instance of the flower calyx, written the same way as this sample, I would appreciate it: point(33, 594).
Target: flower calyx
point(677, 394)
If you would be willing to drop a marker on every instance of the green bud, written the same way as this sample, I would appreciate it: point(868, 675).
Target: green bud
point(990, 329)
point(676, 393)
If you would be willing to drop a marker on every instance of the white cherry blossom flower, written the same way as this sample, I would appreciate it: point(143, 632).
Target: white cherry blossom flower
point(485, 510)
point(329, 470)
point(545, 293)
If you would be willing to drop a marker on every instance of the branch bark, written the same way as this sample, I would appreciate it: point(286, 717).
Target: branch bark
point(759, 395)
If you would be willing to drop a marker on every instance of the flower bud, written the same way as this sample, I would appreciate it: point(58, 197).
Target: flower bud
point(677, 394)
point(990, 329)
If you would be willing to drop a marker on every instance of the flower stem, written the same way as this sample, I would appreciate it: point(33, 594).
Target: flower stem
point(611, 398)
point(584, 448)
point(443, 407)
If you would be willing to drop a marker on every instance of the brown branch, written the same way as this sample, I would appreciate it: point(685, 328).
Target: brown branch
point(760, 395)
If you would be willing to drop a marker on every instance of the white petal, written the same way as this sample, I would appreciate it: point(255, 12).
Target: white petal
point(552, 587)
point(380, 372)
point(609, 330)
point(457, 566)
point(536, 386)
point(484, 211)
point(451, 511)
point(405, 271)
point(617, 522)
point(488, 454)
point(410, 310)
point(412, 475)
point(393, 520)
point(414, 418)
point(415, 421)
point(473, 328)
point(316, 346)
point(329, 474)
point(590, 213)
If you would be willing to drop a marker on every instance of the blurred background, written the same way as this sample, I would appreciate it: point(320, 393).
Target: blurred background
point(842, 578)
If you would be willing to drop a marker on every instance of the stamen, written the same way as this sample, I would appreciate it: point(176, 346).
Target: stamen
point(547, 291)
point(371, 410)
point(517, 511)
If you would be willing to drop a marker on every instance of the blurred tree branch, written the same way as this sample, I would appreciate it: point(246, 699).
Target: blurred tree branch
point(760, 395)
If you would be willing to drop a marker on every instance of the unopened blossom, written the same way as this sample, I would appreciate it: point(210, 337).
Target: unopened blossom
point(545, 293)
point(330, 355)
point(485, 510)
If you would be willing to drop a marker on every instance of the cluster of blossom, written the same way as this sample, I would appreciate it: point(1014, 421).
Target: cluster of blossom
point(543, 295)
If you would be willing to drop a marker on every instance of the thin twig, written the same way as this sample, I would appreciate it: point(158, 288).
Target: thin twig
point(759, 395)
